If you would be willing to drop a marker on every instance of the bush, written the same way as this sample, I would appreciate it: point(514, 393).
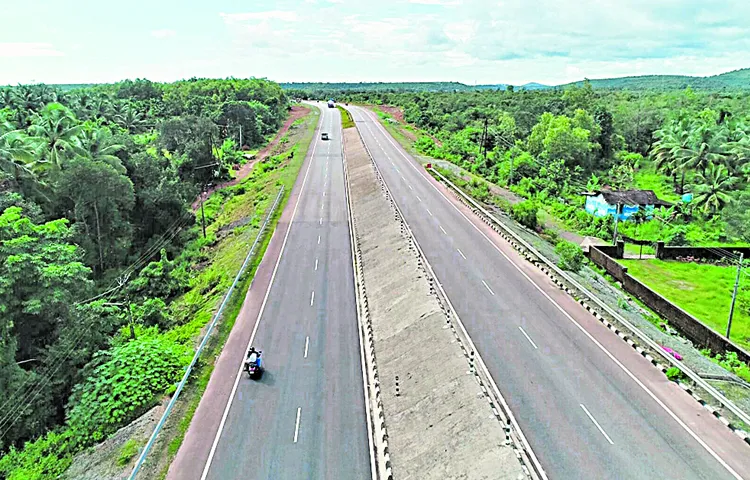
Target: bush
point(45, 458)
point(525, 213)
point(124, 387)
point(571, 256)
point(127, 452)
point(674, 374)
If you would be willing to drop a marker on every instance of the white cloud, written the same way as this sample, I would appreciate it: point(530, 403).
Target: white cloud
point(287, 16)
point(28, 49)
point(164, 33)
point(436, 2)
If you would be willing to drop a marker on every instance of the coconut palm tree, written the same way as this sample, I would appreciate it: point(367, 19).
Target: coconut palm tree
point(129, 118)
point(712, 189)
point(95, 143)
point(671, 140)
point(705, 148)
point(16, 155)
point(55, 128)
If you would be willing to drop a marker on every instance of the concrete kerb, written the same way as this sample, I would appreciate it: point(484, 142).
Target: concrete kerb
point(501, 411)
point(382, 468)
point(616, 323)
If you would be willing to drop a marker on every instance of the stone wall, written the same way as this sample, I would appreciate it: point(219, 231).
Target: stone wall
point(664, 252)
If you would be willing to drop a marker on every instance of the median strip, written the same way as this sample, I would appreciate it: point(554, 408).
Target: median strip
point(437, 415)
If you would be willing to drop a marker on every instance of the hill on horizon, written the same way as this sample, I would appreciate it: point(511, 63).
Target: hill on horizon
point(734, 80)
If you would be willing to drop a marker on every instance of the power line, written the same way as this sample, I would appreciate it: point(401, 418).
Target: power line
point(46, 377)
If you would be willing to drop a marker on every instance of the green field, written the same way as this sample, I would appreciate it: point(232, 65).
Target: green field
point(705, 291)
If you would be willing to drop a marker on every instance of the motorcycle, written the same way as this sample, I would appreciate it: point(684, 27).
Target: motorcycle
point(254, 366)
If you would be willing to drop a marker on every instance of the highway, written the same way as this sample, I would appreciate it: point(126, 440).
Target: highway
point(306, 417)
point(590, 406)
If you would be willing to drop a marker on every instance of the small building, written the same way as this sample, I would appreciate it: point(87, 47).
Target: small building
point(604, 203)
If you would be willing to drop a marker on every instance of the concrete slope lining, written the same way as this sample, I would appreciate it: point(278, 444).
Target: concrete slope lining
point(440, 421)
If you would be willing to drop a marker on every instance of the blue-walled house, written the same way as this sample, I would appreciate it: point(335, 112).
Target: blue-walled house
point(604, 203)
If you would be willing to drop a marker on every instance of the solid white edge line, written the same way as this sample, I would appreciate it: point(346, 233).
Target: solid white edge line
point(488, 288)
point(296, 424)
point(597, 424)
point(312, 298)
point(595, 341)
point(307, 344)
point(224, 416)
point(527, 337)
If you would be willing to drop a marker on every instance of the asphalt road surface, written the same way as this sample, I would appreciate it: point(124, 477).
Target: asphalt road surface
point(590, 406)
point(305, 419)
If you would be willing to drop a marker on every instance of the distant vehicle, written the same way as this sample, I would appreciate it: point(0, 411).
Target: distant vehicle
point(324, 136)
point(330, 104)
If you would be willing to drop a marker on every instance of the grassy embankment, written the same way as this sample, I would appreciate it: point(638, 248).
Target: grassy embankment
point(704, 291)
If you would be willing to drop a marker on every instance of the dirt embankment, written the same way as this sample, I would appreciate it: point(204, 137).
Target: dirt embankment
point(296, 113)
point(440, 424)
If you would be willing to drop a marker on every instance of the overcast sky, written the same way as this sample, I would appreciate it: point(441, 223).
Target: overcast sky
point(482, 41)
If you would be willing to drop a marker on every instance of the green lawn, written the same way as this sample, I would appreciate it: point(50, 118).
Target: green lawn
point(646, 178)
point(705, 291)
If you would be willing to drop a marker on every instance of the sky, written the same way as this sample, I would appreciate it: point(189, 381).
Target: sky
point(470, 41)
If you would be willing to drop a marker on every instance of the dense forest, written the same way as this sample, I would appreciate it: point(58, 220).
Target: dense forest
point(549, 146)
point(96, 187)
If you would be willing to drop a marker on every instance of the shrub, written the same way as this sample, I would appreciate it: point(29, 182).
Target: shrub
point(571, 256)
point(124, 387)
point(525, 213)
point(127, 452)
point(45, 458)
point(674, 374)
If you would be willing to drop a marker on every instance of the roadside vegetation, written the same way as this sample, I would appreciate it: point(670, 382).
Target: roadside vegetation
point(703, 290)
point(346, 117)
point(107, 279)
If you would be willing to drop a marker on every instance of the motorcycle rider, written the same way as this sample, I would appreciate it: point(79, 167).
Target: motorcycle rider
point(256, 362)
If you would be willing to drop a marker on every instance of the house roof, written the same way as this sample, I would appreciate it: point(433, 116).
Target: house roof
point(632, 197)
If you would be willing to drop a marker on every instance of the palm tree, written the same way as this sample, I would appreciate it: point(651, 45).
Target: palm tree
point(671, 139)
point(16, 155)
point(56, 129)
point(94, 143)
point(705, 149)
point(713, 189)
point(129, 118)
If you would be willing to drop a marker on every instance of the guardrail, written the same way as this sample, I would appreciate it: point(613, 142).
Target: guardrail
point(586, 298)
point(217, 315)
point(531, 465)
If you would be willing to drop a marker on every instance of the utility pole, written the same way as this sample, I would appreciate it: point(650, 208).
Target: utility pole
point(240, 137)
point(130, 316)
point(734, 295)
point(617, 218)
point(203, 215)
point(510, 178)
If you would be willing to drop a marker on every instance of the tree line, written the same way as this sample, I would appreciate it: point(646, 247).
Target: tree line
point(96, 185)
point(549, 146)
